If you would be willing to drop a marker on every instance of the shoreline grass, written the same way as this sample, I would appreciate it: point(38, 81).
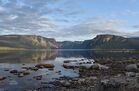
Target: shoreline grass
point(11, 49)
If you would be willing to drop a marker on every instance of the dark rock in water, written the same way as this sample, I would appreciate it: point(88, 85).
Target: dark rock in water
point(6, 69)
point(38, 77)
point(50, 69)
point(13, 71)
point(31, 68)
point(69, 66)
point(131, 68)
point(45, 66)
point(2, 78)
point(68, 61)
point(20, 73)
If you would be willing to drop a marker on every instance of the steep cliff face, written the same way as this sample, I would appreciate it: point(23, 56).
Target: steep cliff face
point(103, 42)
point(111, 42)
point(38, 42)
point(27, 42)
point(70, 45)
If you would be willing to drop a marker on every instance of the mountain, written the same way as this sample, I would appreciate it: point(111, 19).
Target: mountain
point(70, 45)
point(112, 42)
point(37, 42)
point(103, 42)
point(27, 42)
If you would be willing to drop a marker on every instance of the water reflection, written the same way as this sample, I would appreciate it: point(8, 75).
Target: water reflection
point(38, 56)
point(27, 56)
point(98, 55)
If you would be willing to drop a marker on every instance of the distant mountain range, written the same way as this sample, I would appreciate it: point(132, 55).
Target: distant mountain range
point(102, 42)
point(37, 42)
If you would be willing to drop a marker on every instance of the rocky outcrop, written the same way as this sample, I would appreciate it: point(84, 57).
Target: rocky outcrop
point(105, 41)
point(27, 42)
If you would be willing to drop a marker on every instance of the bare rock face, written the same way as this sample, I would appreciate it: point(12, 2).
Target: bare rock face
point(27, 42)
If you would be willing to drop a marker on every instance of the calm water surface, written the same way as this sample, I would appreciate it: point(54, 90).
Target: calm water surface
point(17, 60)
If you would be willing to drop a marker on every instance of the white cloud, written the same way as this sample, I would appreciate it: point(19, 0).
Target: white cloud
point(51, 18)
point(131, 13)
point(2, 9)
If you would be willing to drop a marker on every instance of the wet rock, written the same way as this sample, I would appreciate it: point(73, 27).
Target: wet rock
point(80, 81)
point(45, 66)
point(130, 74)
point(59, 72)
point(84, 63)
point(95, 66)
point(13, 71)
point(103, 67)
point(65, 83)
point(131, 68)
point(30, 68)
point(38, 77)
point(69, 66)
point(20, 73)
point(67, 61)
point(109, 84)
point(6, 69)
point(99, 67)
point(2, 78)
point(50, 69)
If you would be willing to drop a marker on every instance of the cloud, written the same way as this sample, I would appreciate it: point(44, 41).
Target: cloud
point(24, 17)
point(90, 28)
point(2, 9)
point(60, 19)
point(131, 13)
point(31, 16)
point(136, 26)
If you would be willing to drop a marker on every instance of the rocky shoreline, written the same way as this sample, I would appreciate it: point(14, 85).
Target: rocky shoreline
point(105, 75)
point(120, 76)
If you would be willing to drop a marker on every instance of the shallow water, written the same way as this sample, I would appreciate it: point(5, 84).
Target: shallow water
point(18, 59)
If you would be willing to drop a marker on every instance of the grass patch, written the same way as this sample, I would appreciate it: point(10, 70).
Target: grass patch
point(11, 49)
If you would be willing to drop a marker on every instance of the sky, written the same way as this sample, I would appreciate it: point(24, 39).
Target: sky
point(72, 20)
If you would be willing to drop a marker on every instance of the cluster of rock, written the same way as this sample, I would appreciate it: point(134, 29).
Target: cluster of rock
point(83, 63)
point(27, 70)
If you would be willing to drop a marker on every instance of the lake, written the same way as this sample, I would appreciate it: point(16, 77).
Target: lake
point(16, 60)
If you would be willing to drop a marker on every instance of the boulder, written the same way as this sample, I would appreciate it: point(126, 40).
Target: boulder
point(20, 73)
point(130, 74)
point(131, 68)
point(65, 83)
point(95, 66)
point(13, 71)
point(109, 84)
point(45, 66)
point(38, 77)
